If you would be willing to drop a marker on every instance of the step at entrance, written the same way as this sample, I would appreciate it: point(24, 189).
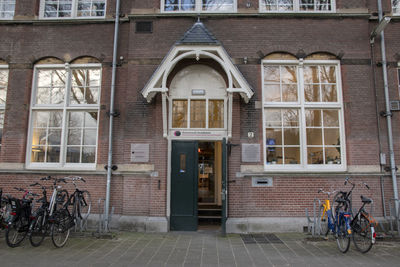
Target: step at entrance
point(209, 214)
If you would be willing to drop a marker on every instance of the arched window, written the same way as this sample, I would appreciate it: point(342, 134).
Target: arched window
point(64, 114)
point(303, 113)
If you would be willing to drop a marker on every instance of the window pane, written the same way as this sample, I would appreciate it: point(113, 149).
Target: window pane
point(179, 114)
point(3, 86)
point(271, 74)
point(314, 136)
point(273, 117)
point(197, 114)
point(292, 136)
point(216, 113)
point(315, 155)
point(74, 137)
point(89, 155)
point(331, 136)
point(53, 154)
point(292, 155)
point(73, 154)
point(313, 117)
point(179, 5)
point(274, 137)
point(331, 118)
point(272, 93)
point(396, 6)
point(332, 155)
point(329, 93)
point(279, 81)
point(277, 5)
point(311, 74)
point(89, 137)
point(50, 86)
point(7, 8)
point(274, 156)
point(85, 86)
point(38, 154)
point(289, 93)
point(218, 5)
point(290, 117)
point(54, 137)
point(328, 74)
point(58, 8)
point(91, 8)
point(311, 93)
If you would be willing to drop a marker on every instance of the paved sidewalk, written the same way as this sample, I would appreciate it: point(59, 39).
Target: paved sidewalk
point(197, 249)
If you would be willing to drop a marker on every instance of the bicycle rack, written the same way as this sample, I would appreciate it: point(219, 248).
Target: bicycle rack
point(393, 216)
point(102, 216)
point(315, 223)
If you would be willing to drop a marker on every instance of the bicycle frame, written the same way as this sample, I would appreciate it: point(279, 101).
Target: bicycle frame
point(371, 221)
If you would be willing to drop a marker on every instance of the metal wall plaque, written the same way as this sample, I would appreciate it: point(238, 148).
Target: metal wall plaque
point(250, 152)
point(140, 152)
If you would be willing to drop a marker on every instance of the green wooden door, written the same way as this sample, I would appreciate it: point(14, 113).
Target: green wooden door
point(184, 179)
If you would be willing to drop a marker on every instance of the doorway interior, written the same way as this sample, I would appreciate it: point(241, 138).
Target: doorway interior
point(209, 185)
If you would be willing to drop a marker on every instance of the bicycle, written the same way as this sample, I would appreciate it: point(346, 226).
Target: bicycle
point(5, 210)
point(47, 214)
point(363, 225)
point(325, 214)
point(80, 202)
point(19, 219)
point(337, 221)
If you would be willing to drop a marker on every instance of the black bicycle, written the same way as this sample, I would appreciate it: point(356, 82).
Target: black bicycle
point(47, 216)
point(80, 204)
point(5, 210)
point(19, 219)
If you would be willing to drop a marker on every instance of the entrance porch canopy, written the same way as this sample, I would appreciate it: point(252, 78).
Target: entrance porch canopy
point(198, 43)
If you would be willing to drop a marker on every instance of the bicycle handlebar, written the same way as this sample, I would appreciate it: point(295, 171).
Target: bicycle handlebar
point(325, 192)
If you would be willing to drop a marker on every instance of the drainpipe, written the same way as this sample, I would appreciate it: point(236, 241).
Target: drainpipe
point(388, 113)
point(110, 131)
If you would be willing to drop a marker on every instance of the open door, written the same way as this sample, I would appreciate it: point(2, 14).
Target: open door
point(184, 184)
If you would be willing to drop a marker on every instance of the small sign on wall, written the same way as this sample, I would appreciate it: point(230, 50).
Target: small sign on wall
point(140, 152)
point(250, 152)
point(261, 181)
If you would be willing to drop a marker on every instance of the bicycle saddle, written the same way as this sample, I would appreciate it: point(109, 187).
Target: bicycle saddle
point(366, 200)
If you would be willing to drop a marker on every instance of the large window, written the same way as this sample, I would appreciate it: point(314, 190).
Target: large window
point(198, 5)
point(64, 115)
point(396, 7)
point(297, 5)
point(303, 116)
point(66, 9)
point(7, 8)
point(3, 94)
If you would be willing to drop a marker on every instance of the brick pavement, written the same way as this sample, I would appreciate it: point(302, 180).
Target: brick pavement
point(196, 249)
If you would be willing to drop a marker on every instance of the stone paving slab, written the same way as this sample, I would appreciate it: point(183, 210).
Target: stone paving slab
point(196, 249)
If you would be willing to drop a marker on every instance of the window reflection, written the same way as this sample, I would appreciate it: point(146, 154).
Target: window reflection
point(277, 5)
point(7, 9)
point(396, 6)
point(179, 114)
point(216, 113)
point(197, 114)
point(282, 136)
point(280, 84)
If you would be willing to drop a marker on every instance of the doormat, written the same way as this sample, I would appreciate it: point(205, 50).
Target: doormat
point(260, 239)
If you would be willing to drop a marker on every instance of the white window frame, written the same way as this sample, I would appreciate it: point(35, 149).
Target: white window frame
point(188, 114)
point(301, 105)
point(394, 13)
point(2, 3)
point(3, 106)
point(296, 8)
point(74, 11)
point(198, 8)
point(65, 108)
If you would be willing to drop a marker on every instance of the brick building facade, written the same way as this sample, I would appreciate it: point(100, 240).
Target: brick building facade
point(289, 86)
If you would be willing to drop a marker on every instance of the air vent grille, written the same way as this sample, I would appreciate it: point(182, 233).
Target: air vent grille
point(144, 26)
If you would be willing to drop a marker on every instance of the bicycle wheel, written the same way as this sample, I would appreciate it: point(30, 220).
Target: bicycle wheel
point(16, 233)
point(342, 238)
point(362, 234)
point(323, 221)
point(60, 228)
point(38, 230)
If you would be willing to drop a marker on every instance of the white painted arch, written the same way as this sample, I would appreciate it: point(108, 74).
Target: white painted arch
point(236, 81)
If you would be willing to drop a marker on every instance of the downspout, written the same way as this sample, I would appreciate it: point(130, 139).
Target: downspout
point(378, 123)
point(110, 131)
point(388, 113)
